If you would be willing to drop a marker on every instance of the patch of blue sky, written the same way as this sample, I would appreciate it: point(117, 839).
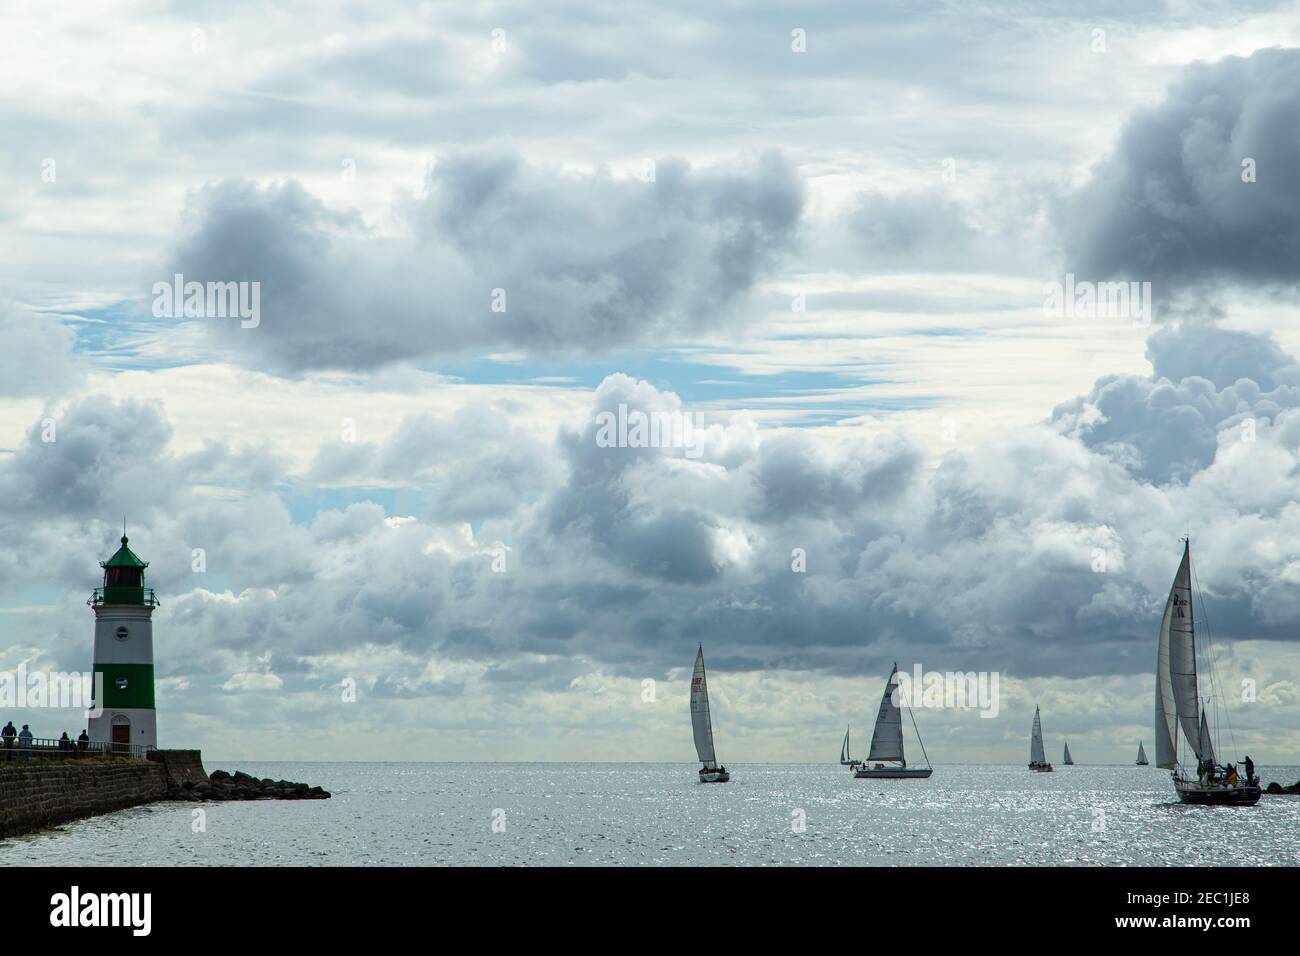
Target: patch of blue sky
point(37, 596)
point(305, 502)
point(125, 335)
point(839, 392)
point(121, 335)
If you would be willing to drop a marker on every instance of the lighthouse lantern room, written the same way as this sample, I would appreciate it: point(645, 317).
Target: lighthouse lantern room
point(124, 654)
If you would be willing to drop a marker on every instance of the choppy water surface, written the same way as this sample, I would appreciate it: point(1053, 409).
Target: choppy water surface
point(656, 814)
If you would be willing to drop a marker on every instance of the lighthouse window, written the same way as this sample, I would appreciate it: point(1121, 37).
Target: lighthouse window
point(121, 634)
point(122, 577)
point(120, 683)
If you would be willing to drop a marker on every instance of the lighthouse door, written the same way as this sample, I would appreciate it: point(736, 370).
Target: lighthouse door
point(121, 733)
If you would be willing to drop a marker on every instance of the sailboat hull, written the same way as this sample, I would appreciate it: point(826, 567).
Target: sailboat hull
point(1041, 767)
point(893, 773)
point(714, 777)
point(1142, 763)
point(1245, 795)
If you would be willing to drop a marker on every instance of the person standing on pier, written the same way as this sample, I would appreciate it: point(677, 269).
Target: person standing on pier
point(9, 734)
point(24, 743)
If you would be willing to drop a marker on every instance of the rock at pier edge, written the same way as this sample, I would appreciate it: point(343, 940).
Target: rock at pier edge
point(243, 786)
point(187, 780)
point(1277, 789)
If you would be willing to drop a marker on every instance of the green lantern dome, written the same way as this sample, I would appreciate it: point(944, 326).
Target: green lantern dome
point(125, 558)
point(124, 579)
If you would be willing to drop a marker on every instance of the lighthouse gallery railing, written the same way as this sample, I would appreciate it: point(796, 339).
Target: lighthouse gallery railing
point(123, 595)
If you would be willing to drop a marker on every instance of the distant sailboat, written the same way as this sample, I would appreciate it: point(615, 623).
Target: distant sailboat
point(1037, 757)
point(1142, 756)
point(702, 723)
point(887, 742)
point(845, 759)
point(1178, 705)
point(1067, 761)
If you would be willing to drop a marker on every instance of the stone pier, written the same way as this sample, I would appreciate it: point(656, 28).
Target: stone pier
point(45, 795)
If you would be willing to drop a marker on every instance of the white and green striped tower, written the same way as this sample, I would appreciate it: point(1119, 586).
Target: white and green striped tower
point(124, 653)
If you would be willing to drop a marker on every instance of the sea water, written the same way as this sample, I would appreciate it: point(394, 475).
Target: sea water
point(657, 814)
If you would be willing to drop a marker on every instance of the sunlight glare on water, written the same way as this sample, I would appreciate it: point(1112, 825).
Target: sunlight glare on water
point(656, 814)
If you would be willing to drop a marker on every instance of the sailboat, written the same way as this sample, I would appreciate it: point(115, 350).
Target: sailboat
point(887, 742)
point(1067, 761)
point(1142, 756)
point(845, 759)
point(702, 723)
point(1178, 705)
point(1037, 758)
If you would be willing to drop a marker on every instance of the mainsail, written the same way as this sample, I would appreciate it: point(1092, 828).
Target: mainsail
point(1177, 703)
point(700, 719)
point(1067, 753)
point(844, 751)
point(1036, 754)
point(1206, 750)
point(887, 740)
point(1142, 754)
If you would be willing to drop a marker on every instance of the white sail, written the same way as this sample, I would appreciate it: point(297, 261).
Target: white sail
point(1142, 754)
point(1182, 654)
point(1067, 753)
point(1166, 712)
point(1036, 754)
point(844, 751)
point(1206, 749)
point(700, 719)
point(887, 740)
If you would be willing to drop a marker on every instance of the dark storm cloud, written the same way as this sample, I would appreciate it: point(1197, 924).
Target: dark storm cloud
point(598, 506)
point(96, 457)
point(797, 476)
point(1166, 427)
point(1169, 204)
point(1221, 355)
point(964, 566)
point(586, 262)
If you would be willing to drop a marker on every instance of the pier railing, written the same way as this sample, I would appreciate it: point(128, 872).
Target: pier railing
point(51, 748)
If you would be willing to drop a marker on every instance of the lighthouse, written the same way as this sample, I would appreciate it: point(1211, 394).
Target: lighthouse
point(124, 654)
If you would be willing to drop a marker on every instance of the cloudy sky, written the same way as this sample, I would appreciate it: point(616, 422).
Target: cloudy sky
point(826, 229)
